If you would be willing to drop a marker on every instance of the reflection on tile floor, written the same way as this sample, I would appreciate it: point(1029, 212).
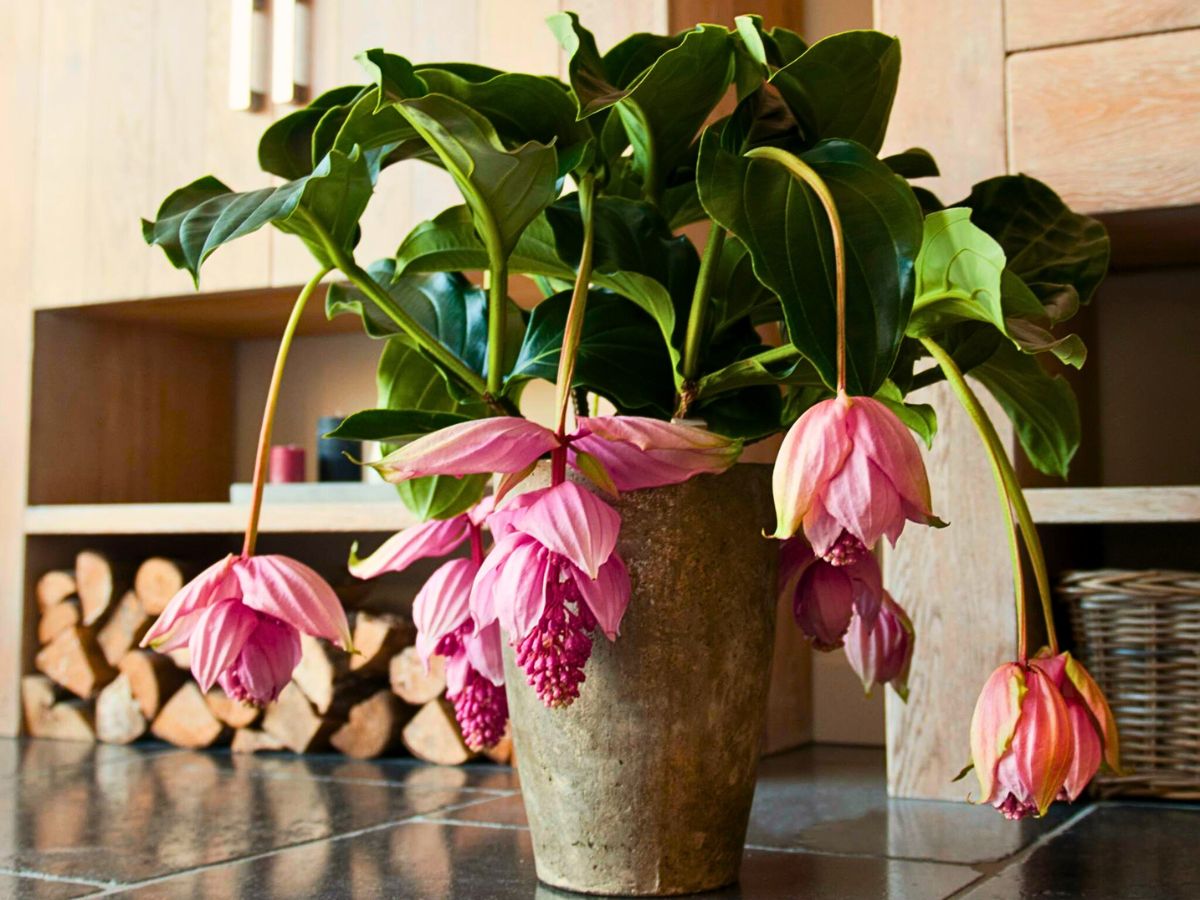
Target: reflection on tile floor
point(156, 822)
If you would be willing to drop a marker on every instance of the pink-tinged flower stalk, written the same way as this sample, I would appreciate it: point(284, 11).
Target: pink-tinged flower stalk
point(241, 620)
point(1093, 729)
point(825, 597)
point(881, 654)
point(1021, 741)
point(442, 615)
point(552, 577)
point(849, 472)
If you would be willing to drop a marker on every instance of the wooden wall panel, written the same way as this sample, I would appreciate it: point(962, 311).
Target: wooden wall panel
point(954, 582)
point(126, 413)
point(1043, 23)
point(1109, 124)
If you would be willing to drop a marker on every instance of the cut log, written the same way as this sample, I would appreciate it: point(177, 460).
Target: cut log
point(181, 657)
point(411, 683)
point(53, 588)
point(433, 735)
point(152, 677)
point(252, 740)
point(503, 751)
point(158, 580)
point(58, 618)
point(186, 721)
point(296, 724)
point(233, 713)
point(49, 715)
point(322, 666)
point(119, 717)
point(74, 660)
point(377, 638)
point(374, 726)
point(99, 581)
point(124, 628)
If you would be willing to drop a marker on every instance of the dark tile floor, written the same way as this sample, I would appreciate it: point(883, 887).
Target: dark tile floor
point(156, 822)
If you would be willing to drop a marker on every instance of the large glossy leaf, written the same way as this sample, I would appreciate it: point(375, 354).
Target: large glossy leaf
point(786, 230)
point(621, 354)
point(286, 147)
point(774, 48)
point(393, 425)
point(736, 291)
point(843, 87)
point(1042, 407)
point(197, 219)
point(406, 380)
point(1052, 249)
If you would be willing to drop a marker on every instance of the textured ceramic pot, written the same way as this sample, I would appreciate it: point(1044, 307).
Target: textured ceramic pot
point(644, 784)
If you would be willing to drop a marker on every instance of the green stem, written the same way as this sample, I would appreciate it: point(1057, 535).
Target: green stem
point(698, 316)
point(1011, 496)
point(806, 174)
point(497, 330)
point(573, 330)
point(268, 420)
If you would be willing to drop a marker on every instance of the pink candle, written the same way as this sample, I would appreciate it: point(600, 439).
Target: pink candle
point(287, 464)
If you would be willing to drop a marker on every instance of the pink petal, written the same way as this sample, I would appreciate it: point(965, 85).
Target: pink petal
point(211, 585)
point(478, 514)
point(218, 638)
point(1041, 744)
point(443, 604)
point(1086, 750)
point(502, 521)
point(520, 589)
point(823, 605)
point(820, 528)
point(795, 556)
point(1093, 698)
point(863, 500)
point(292, 592)
point(811, 454)
point(993, 724)
point(483, 590)
point(891, 446)
point(574, 523)
point(265, 665)
point(181, 632)
point(437, 537)
point(486, 654)
point(457, 669)
point(499, 444)
point(640, 452)
point(607, 595)
point(867, 584)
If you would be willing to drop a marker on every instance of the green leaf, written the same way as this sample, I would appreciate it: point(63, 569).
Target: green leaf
point(393, 425)
point(919, 417)
point(786, 230)
point(394, 75)
point(407, 380)
point(1042, 407)
point(749, 414)
point(197, 219)
point(843, 87)
point(285, 148)
point(915, 162)
point(775, 48)
point(1052, 249)
point(621, 355)
point(585, 67)
point(777, 365)
point(736, 291)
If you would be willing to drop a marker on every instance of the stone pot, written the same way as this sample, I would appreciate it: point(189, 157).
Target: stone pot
point(643, 785)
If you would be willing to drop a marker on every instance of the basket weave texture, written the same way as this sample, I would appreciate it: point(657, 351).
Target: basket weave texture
point(1138, 633)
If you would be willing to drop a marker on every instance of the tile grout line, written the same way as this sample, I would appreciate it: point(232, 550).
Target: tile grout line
point(431, 819)
point(850, 854)
point(1000, 866)
point(378, 782)
point(117, 888)
point(60, 879)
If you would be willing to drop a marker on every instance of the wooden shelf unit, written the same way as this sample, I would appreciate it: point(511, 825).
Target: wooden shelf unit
point(1114, 505)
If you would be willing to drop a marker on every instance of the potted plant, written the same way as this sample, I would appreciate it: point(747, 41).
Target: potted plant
point(618, 592)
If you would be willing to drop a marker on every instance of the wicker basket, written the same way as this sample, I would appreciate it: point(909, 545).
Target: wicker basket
point(1139, 635)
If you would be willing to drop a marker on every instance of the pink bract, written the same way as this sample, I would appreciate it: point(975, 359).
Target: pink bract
point(882, 654)
point(825, 597)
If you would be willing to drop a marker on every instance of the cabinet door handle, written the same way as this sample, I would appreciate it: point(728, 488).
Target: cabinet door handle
point(291, 73)
point(248, 49)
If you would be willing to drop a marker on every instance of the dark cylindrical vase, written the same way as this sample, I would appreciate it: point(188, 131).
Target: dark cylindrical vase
point(644, 784)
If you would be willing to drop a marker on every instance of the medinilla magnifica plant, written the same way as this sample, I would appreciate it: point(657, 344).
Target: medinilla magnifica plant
point(715, 279)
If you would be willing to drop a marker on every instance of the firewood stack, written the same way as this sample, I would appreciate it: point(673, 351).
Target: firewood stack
point(96, 684)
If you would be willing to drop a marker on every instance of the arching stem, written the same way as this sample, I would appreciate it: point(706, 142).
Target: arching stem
point(268, 420)
point(573, 330)
point(698, 314)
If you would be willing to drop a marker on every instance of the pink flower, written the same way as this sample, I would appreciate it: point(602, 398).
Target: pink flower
point(641, 452)
point(1093, 728)
point(882, 654)
point(442, 615)
point(241, 620)
point(825, 597)
point(551, 578)
point(1021, 741)
point(849, 472)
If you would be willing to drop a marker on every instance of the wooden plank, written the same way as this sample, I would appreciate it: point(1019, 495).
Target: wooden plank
point(20, 95)
point(683, 14)
point(954, 582)
point(1070, 506)
point(1104, 123)
point(1043, 23)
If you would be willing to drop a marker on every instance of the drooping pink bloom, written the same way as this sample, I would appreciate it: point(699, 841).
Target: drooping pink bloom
point(241, 620)
point(1093, 729)
point(882, 654)
point(825, 597)
point(849, 472)
point(497, 444)
point(551, 578)
point(1021, 744)
point(442, 615)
